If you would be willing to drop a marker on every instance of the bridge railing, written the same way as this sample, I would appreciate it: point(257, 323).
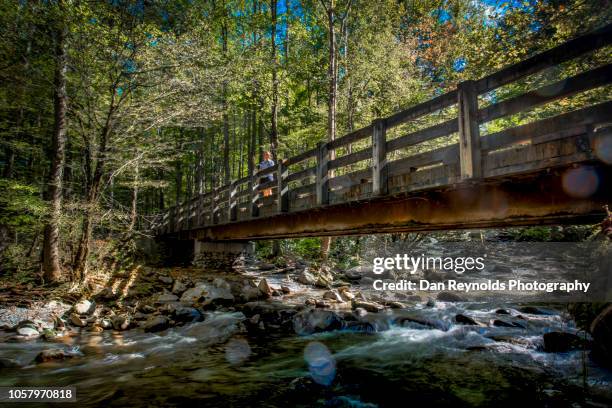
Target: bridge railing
point(455, 151)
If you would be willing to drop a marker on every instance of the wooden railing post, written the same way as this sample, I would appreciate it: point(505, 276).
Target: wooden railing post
point(379, 157)
point(213, 204)
point(200, 210)
point(470, 160)
point(282, 189)
point(322, 183)
point(254, 194)
point(232, 213)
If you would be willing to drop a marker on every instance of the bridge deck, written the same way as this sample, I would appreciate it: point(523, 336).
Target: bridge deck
point(429, 167)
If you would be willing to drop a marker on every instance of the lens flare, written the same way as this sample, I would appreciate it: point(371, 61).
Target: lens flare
point(603, 148)
point(580, 182)
point(321, 363)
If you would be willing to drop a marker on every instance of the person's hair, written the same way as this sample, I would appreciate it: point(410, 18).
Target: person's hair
point(267, 152)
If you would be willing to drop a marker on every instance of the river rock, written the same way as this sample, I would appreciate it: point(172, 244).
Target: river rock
point(120, 322)
point(140, 316)
point(266, 266)
point(357, 272)
point(535, 311)
point(96, 328)
point(345, 294)
point(216, 327)
point(166, 298)
point(601, 330)
point(306, 278)
point(49, 334)
point(423, 321)
point(179, 287)
point(106, 324)
point(365, 327)
point(84, 307)
point(76, 320)
point(449, 297)
point(285, 289)
point(156, 324)
point(463, 319)
point(187, 315)
point(207, 295)
point(8, 363)
point(502, 312)
point(332, 295)
point(265, 288)
point(27, 331)
point(165, 279)
point(560, 342)
point(368, 306)
point(316, 321)
point(505, 323)
point(52, 355)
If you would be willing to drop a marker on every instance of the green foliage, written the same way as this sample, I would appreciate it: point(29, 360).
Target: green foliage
point(21, 208)
point(533, 234)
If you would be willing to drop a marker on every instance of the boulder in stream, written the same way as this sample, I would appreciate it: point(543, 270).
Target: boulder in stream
point(560, 342)
point(179, 287)
point(368, 306)
point(449, 297)
point(120, 322)
point(84, 307)
point(76, 320)
point(265, 288)
point(316, 321)
point(306, 278)
point(463, 319)
point(601, 330)
point(52, 355)
point(156, 324)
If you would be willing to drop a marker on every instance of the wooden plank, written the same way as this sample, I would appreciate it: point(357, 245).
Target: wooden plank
point(298, 175)
point(432, 105)
point(266, 185)
point(423, 135)
point(350, 138)
point(231, 205)
point(379, 158)
point(564, 52)
point(447, 154)
point(302, 156)
point(595, 114)
point(322, 175)
point(349, 159)
point(561, 89)
point(254, 195)
point(350, 179)
point(469, 134)
point(528, 167)
point(267, 170)
point(307, 189)
point(282, 189)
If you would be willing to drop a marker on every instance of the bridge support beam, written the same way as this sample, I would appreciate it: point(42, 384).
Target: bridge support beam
point(219, 254)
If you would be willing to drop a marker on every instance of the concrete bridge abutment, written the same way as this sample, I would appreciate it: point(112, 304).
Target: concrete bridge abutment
point(220, 254)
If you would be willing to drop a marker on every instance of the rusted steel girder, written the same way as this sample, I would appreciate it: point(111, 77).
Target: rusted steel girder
point(536, 199)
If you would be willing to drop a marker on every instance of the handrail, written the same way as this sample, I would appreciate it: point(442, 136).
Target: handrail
point(468, 151)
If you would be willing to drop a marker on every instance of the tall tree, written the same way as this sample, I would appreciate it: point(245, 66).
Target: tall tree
point(51, 254)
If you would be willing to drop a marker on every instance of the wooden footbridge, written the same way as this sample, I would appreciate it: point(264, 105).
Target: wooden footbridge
point(456, 161)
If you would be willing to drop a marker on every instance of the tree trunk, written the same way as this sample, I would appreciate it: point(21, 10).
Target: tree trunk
point(274, 113)
point(226, 147)
point(52, 271)
point(134, 213)
point(331, 107)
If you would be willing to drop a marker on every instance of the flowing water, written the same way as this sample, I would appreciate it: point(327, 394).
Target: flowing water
point(215, 363)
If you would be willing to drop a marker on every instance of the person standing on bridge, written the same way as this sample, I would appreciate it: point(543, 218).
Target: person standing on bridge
point(266, 163)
